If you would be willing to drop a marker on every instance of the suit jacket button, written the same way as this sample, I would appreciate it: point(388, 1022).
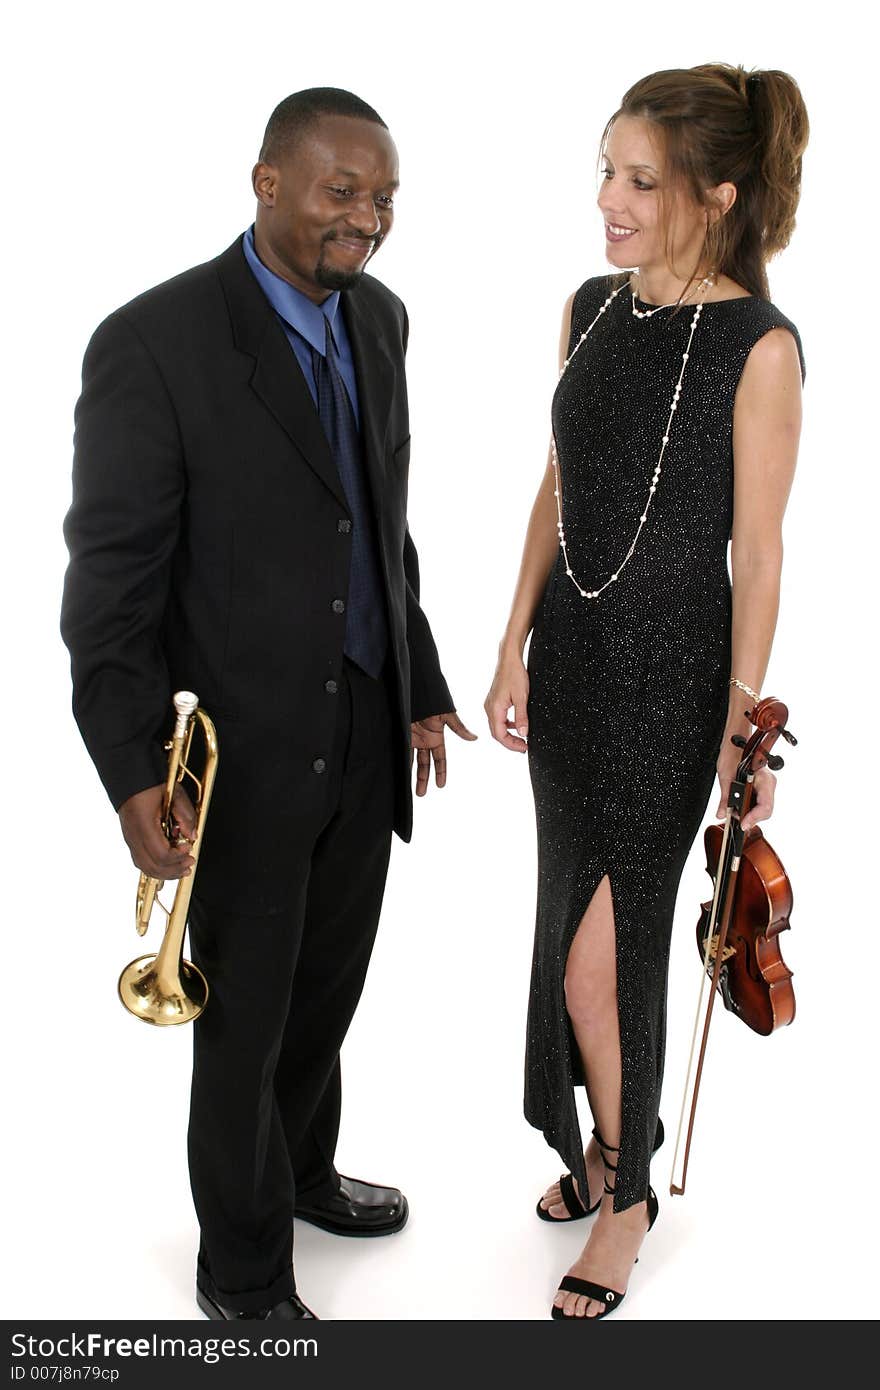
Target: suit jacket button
point(318, 765)
point(331, 687)
point(338, 606)
point(343, 525)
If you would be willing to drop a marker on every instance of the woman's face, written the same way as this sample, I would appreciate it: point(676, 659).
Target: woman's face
point(629, 200)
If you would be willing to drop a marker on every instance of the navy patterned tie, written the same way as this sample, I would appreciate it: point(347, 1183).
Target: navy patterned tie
point(366, 629)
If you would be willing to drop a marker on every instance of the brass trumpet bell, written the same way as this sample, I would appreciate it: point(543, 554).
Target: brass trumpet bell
point(147, 995)
point(165, 989)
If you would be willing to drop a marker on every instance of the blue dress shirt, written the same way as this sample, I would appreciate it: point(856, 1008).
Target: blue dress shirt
point(303, 323)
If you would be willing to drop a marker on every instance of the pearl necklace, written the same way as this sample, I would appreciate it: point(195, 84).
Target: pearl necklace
point(594, 593)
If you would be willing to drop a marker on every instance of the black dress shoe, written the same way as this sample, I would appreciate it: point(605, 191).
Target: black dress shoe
point(289, 1308)
point(357, 1209)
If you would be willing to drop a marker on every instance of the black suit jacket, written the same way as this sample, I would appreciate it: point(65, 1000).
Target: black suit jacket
point(206, 552)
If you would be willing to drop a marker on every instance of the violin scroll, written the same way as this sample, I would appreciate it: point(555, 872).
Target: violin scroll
point(769, 713)
point(768, 716)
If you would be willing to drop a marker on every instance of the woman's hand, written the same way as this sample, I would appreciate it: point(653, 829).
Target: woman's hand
point(510, 689)
point(763, 787)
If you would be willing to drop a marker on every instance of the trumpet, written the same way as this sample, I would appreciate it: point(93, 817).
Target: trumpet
point(165, 989)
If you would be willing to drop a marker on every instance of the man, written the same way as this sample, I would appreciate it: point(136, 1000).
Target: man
point(239, 529)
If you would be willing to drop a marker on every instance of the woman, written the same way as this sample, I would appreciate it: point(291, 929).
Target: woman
point(676, 424)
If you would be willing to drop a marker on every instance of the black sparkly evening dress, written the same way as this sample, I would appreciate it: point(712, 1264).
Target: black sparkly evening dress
point(628, 692)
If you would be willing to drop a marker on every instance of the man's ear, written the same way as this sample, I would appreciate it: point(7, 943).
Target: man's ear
point(264, 178)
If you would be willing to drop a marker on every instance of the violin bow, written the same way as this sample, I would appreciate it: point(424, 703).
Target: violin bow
point(769, 717)
point(739, 799)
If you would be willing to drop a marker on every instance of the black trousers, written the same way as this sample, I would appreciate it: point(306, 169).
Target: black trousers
point(264, 1113)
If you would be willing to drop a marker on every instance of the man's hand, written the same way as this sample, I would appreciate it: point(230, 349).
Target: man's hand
point(428, 742)
point(141, 820)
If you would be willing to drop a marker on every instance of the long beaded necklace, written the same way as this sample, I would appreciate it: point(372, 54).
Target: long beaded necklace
point(648, 313)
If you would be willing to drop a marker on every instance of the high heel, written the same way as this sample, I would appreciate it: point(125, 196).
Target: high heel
point(610, 1298)
point(577, 1210)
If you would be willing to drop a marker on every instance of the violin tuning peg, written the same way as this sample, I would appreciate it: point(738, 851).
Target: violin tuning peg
point(774, 762)
point(738, 740)
point(789, 738)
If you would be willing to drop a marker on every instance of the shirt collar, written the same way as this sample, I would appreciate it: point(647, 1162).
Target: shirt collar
point(295, 308)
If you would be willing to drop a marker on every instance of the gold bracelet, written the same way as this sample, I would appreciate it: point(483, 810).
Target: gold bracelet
point(741, 685)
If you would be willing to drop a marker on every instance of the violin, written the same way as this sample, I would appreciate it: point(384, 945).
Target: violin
point(739, 927)
point(754, 981)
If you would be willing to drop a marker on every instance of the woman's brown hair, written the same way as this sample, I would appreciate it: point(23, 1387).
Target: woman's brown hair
point(723, 124)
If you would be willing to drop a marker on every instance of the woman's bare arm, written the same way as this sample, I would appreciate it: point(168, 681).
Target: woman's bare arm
point(766, 433)
point(510, 687)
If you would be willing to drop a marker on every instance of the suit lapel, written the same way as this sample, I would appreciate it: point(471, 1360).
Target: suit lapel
point(276, 379)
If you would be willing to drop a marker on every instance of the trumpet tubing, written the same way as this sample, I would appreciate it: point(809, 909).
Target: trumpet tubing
point(164, 989)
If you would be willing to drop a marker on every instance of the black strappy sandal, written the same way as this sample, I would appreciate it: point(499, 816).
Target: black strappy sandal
point(611, 1298)
point(571, 1201)
point(576, 1209)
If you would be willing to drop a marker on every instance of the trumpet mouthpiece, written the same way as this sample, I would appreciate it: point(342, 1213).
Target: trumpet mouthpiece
point(186, 704)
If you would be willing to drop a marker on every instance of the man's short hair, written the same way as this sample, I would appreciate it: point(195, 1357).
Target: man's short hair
point(302, 110)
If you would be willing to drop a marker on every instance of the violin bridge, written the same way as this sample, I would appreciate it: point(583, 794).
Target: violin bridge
point(726, 953)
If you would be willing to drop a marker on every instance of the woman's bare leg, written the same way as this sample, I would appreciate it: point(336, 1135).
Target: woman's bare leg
point(591, 1000)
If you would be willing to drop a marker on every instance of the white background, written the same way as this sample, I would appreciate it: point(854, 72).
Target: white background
point(131, 133)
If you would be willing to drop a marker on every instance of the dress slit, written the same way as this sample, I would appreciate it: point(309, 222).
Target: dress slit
point(575, 1067)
